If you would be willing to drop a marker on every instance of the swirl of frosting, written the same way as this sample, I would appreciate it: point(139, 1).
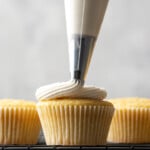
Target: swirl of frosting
point(69, 89)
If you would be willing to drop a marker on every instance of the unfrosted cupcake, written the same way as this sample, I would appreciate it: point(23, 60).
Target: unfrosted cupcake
point(73, 115)
point(131, 121)
point(19, 122)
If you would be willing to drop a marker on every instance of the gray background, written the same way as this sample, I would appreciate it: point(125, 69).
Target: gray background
point(33, 48)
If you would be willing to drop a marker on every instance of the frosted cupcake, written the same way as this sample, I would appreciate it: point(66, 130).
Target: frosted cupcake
point(131, 121)
point(73, 115)
point(19, 122)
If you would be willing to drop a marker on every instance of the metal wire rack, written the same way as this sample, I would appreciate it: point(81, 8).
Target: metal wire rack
point(106, 147)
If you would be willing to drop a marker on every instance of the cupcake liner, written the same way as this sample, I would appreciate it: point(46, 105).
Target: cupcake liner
point(130, 126)
point(19, 125)
point(75, 124)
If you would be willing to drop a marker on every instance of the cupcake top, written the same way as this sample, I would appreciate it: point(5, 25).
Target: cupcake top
point(70, 89)
point(16, 103)
point(71, 101)
point(133, 102)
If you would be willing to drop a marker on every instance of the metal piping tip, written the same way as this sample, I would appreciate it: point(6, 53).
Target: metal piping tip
point(80, 50)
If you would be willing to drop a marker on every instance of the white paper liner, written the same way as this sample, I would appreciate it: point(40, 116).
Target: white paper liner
point(130, 126)
point(19, 125)
point(74, 124)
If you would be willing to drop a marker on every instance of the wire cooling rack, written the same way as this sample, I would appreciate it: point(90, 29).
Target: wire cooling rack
point(107, 147)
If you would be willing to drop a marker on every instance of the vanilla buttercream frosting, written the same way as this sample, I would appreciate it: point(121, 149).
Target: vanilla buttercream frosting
point(69, 89)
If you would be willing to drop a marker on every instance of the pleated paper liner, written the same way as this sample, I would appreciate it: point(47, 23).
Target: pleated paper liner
point(19, 125)
point(130, 125)
point(75, 124)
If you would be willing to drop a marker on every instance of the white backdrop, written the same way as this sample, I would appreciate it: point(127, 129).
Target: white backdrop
point(33, 48)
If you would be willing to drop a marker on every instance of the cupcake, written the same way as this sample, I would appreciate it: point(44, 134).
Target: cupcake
point(19, 122)
point(131, 121)
point(74, 115)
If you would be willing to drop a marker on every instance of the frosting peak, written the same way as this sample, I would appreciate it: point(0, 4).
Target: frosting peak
point(71, 89)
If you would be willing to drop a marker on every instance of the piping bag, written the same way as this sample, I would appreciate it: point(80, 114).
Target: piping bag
point(83, 20)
